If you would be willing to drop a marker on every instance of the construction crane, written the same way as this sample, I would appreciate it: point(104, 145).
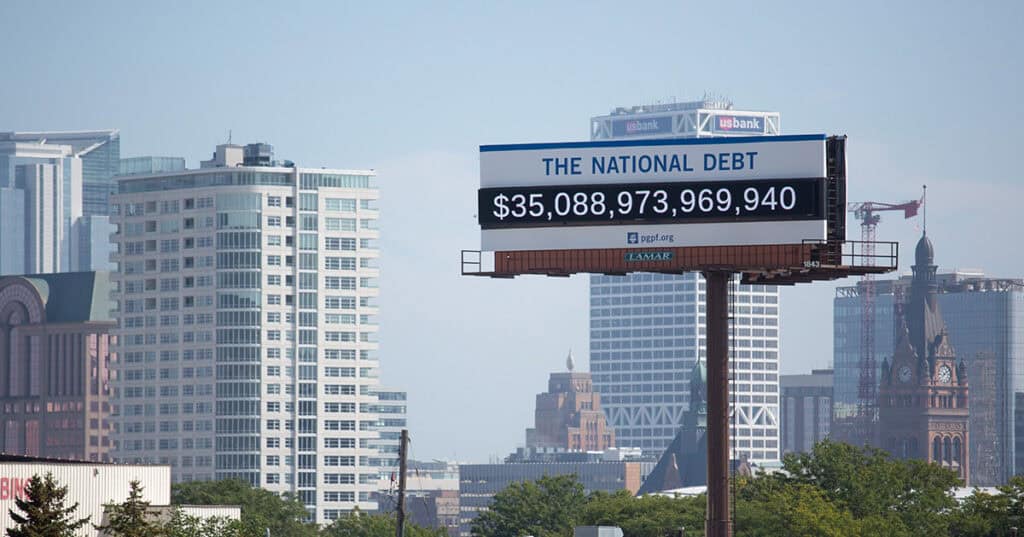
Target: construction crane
point(867, 383)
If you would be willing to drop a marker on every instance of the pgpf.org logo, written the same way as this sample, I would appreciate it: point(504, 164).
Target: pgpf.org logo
point(633, 237)
point(739, 124)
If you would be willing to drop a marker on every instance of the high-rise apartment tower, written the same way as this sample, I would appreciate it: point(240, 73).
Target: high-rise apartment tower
point(247, 307)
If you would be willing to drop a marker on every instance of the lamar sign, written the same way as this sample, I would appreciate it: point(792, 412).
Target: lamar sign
point(648, 256)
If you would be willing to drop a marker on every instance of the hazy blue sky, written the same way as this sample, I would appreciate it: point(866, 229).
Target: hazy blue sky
point(927, 91)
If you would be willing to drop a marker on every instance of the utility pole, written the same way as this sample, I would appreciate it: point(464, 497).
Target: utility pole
point(403, 454)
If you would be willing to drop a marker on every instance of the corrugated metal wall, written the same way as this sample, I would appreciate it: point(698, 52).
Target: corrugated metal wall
point(89, 485)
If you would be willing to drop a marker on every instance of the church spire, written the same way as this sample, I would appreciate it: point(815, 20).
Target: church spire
point(922, 315)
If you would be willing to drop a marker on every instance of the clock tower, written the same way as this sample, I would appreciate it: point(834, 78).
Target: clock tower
point(922, 401)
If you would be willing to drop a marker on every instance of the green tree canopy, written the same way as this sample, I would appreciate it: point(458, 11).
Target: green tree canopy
point(183, 525)
point(42, 511)
point(548, 507)
point(648, 516)
point(771, 505)
point(897, 497)
point(130, 518)
point(261, 509)
point(358, 524)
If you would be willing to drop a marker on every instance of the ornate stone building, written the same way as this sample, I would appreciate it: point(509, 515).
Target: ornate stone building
point(569, 416)
point(55, 353)
point(923, 394)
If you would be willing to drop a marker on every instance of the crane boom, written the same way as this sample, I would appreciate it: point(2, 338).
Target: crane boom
point(867, 383)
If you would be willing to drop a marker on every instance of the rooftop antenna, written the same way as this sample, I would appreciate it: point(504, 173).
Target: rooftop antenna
point(229, 136)
point(924, 204)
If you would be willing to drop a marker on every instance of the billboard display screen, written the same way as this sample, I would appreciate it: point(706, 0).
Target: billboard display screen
point(642, 126)
point(689, 192)
point(706, 201)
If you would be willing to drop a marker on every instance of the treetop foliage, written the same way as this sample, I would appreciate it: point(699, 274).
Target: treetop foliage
point(836, 490)
point(42, 512)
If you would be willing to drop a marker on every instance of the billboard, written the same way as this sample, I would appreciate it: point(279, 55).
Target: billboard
point(642, 126)
point(653, 193)
point(727, 124)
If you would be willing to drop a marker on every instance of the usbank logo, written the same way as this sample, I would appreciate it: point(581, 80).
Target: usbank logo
point(739, 124)
point(632, 238)
point(637, 127)
point(640, 127)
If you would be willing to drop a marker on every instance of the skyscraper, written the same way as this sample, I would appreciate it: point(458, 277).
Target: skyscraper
point(247, 303)
point(56, 186)
point(568, 416)
point(40, 199)
point(806, 409)
point(100, 153)
point(984, 317)
point(647, 330)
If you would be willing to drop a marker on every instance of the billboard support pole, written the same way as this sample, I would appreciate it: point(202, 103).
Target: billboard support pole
point(719, 523)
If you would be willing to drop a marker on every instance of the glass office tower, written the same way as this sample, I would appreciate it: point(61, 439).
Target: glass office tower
point(56, 186)
point(40, 200)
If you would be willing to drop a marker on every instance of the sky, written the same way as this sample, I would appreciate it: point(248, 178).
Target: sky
point(928, 93)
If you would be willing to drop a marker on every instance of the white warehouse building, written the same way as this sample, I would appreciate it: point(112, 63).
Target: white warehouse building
point(90, 485)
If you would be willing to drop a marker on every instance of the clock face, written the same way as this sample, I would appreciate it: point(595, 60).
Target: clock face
point(945, 374)
point(903, 374)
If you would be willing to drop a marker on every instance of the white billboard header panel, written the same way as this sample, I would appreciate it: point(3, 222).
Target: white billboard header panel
point(649, 161)
point(652, 236)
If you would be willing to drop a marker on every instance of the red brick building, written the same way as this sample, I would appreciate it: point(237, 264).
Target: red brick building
point(923, 393)
point(55, 354)
point(569, 415)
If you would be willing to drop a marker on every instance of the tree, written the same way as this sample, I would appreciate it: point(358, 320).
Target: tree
point(991, 515)
point(647, 516)
point(548, 507)
point(894, 497)
point(43, 513)
point(771, 505)
point(182, 525)
point(261, 509)
point(358, 524)
point(983, 515)
point(131, 517)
